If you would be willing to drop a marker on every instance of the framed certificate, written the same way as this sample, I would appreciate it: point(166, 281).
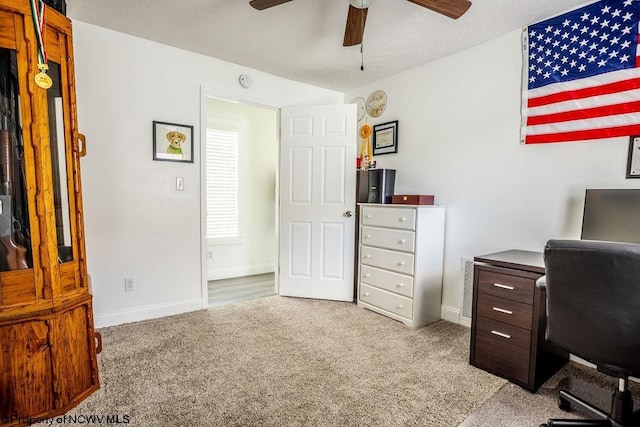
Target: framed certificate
point(633, 162)
point(385, 138)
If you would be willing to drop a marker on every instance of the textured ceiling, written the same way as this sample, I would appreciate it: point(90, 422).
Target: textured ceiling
point(302, 40)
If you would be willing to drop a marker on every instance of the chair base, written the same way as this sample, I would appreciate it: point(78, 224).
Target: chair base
point(621, 412)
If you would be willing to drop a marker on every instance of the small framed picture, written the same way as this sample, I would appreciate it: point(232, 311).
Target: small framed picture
point(172, 142)
point(385, 138)
point(633, 162)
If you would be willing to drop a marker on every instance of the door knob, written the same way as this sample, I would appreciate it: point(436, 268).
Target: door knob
point(348, 214)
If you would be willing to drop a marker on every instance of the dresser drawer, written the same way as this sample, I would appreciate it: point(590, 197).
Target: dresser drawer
point(505, 310)
point(396, 261)
point(506, 286)
point(394, 303)
point(502, 349)
point(388, 238)
point(387, 280)
point(403, 218)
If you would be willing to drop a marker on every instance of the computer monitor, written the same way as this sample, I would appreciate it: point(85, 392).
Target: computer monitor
point(612, 215)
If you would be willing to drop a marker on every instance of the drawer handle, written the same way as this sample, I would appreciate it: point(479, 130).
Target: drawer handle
point(502, 310)
point(400, 306)
point(367, 256)
point(403, 219)
point(400, 285)
point(367, 275)
point(368, 236)
point(366, 294)
point(368, 216)
point(498, 285)
point(500, 334)
point(401, 263)
point(402, 242)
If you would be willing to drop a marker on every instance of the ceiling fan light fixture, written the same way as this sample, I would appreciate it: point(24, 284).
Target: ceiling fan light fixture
point(361, 4)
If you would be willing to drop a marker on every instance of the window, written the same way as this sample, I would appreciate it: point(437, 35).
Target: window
point(222, 184)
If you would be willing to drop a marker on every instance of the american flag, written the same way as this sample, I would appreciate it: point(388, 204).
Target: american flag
point(582, 74)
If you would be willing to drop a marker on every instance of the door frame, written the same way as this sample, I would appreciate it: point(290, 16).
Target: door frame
point(243, 98)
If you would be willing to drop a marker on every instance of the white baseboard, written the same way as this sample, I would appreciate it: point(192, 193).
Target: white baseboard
point(147, 312)
point(454, 315)
point(249, 270)
point(465, 321)
point(450, 314)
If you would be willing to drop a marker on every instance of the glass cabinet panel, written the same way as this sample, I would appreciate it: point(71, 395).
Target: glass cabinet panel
point(59, 165)
point(15, 250)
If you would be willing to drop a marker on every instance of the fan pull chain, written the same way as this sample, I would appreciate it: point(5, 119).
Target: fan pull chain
point(362, 41)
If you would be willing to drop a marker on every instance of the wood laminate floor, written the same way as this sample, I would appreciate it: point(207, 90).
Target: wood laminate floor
point(237, 289)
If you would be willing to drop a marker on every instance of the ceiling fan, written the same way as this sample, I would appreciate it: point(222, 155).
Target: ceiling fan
point(357, 15)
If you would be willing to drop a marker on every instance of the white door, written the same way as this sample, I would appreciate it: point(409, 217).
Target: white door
point(317, 201)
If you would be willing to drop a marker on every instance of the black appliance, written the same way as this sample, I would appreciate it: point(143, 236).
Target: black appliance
point(375, 186)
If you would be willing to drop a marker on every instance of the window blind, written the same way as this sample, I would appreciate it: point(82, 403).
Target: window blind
point(222, 183)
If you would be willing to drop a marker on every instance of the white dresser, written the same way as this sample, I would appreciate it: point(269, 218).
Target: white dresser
point(400, 261)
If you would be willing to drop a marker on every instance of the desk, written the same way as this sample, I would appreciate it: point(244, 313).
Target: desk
point(509, 319)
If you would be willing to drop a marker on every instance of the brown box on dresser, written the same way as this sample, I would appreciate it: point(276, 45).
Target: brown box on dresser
point(509, 319)
point(413, 199)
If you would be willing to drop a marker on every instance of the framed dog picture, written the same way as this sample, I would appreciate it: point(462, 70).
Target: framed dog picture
point(172, 142)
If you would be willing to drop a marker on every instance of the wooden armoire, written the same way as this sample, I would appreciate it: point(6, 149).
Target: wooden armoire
point(47, 342)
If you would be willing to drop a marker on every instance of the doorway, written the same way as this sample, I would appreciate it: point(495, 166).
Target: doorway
point(240, 169)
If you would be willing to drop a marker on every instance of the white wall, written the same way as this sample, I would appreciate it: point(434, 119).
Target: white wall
point(458, 133)
point(458, 139)
point(254, 252)
point(136, 223)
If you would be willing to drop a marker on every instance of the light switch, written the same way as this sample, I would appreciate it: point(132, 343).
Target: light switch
point(179, 183)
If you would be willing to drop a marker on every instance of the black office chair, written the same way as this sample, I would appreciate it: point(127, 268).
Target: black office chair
point(593, 312)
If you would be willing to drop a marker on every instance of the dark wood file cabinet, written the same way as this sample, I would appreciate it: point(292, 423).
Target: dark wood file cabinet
point(509, 319)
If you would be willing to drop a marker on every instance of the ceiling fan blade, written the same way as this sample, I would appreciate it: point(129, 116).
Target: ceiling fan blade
point(451, 8)
point(354, 30)
point(266, 4)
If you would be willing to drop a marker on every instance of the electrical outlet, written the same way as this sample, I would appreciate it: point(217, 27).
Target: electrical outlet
point(209, 254)
point(129, 284)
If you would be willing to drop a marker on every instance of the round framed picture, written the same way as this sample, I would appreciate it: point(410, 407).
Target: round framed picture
point(361, 106)
point(376, 103)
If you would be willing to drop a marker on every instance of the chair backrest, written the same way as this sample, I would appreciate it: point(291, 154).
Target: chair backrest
point(593, 301)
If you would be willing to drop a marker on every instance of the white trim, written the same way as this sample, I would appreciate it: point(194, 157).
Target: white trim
point(454, 315)
point(147, 312)
point(248, 97)
point(450, 314)
point(465, 321)
point(227, 273)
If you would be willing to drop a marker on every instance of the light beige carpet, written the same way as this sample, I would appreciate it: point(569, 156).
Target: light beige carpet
point(287, 362)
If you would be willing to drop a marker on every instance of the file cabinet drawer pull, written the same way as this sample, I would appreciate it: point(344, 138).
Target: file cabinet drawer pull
point(498, 285)
point(502, 310)
point(500, 334)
